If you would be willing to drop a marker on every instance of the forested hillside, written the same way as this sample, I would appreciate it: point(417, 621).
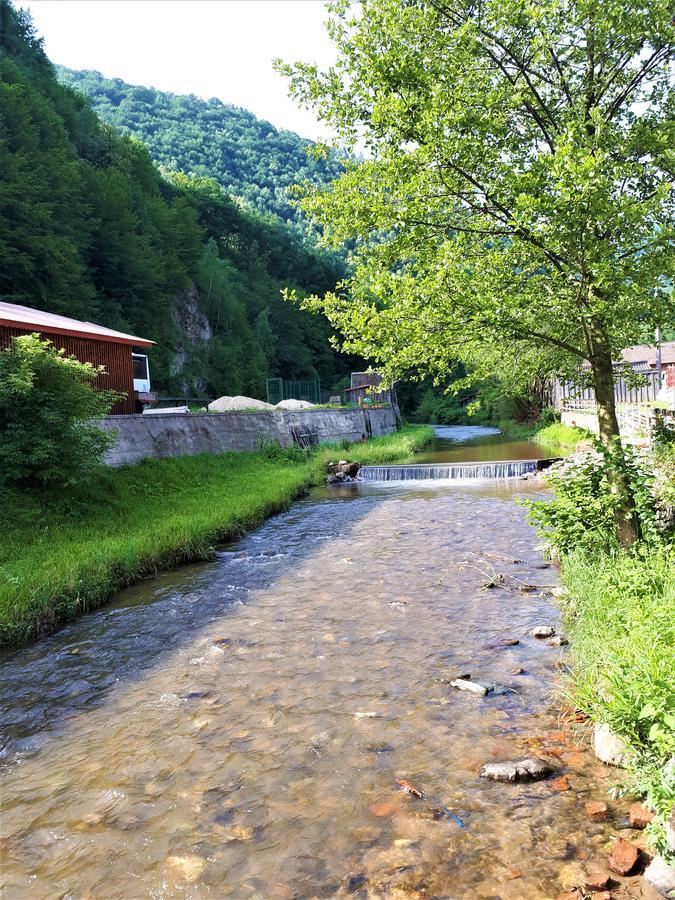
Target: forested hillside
point(91, 229)
point(246, 155)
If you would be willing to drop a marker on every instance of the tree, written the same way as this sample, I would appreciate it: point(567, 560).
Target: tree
point(47, 404)
point(516, 186)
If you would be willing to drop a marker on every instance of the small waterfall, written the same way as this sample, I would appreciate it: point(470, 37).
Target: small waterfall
point(505, 469)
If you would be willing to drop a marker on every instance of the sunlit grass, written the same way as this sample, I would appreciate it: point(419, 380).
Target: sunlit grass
point(59, 559)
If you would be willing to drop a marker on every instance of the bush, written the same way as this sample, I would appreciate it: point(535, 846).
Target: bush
point(582, 510)
point(47, 403)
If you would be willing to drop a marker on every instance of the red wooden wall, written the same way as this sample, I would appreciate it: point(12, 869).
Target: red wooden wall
point(115, 357)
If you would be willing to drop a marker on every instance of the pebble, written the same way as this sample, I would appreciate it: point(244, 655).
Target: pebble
point(623, 857)
point(518, 671)
point(557, 641)
point(408, 788)
point(596, 810)
point(571, 895)
point(542, 631)
point(530, 769)
point(639, 816)
point(560, 784)
point(190, 867)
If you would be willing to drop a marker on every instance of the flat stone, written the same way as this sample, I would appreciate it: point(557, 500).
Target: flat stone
point(188, 867)
point(596, 881)
point(542, 631)
point(475, 687)
point(596, 810)
point(623, 857)
point(502, 645)
point(639, 816)
point(609, 747)
point(530, 769)
point(571, 895)
point(661, 876)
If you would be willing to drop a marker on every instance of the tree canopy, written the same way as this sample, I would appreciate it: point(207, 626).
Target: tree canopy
point(247, 156)
point(518, 190)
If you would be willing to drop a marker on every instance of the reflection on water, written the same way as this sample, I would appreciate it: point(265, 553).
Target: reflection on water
point(475, 443)
point(237, 728)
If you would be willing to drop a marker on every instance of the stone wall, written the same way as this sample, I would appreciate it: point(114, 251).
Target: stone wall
point(180, 434)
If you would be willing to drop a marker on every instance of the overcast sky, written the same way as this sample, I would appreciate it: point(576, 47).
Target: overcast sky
point(212, 48)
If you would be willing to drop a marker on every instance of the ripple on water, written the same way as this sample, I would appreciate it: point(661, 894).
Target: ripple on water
point(240, 726)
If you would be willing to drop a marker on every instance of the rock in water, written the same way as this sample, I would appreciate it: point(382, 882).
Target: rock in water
point(639, 816)
point(188, 867)
point(623, 857)
point(596, 810)
point(661, 876)
point(542, 631)
point(609, 747)
point(531, 769)
point(475, 687)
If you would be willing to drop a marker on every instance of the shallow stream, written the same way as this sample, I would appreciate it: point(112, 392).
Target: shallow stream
point(237, 728)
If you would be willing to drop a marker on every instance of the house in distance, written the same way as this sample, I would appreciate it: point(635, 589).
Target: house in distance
point(126, 371)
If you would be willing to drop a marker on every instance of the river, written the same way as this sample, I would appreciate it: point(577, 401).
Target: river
point(237, 728)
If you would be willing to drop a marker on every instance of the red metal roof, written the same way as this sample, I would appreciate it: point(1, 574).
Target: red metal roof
point(23, 317)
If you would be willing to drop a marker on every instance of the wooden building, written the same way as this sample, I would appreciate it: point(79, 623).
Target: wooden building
point(86, 341)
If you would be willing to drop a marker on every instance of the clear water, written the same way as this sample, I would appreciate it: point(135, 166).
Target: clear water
point(237, 728)
point(471, 443)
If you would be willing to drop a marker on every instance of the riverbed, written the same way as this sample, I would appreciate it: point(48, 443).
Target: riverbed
point(238, 728)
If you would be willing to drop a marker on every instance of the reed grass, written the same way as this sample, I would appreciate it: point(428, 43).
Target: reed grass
point(60, 557)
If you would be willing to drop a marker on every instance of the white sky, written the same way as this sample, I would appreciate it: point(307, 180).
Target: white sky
point(212, 48)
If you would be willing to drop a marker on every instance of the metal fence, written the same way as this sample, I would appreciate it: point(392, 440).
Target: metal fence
point(279, 389)
point(569, 395)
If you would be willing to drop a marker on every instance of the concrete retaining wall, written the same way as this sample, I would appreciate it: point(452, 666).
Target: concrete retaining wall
point(586, 420)
point(181, 434)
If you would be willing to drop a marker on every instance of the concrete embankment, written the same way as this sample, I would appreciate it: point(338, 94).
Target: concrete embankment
point(185, 434)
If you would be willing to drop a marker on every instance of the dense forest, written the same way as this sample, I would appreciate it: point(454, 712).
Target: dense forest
point(90, 228)
point(247, 156)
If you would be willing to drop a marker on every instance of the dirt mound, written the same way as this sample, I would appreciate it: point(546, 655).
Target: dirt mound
point(231, 404)
point(294, 404)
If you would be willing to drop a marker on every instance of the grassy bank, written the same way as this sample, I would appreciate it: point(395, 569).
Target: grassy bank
point(619, 614)
point(556, 436)
point(59, 560)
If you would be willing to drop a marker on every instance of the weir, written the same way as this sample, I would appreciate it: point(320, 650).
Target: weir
point(512, 468)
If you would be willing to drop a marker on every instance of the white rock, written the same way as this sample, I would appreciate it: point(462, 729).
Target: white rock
point(475, 687)
point(530, 769)
point(661, 876)
point(609, 747)
point(670, 830)
point(542, 631)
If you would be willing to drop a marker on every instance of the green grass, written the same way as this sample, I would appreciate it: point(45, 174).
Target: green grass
point(59, 560)
point(565, 437)
point(620, 618)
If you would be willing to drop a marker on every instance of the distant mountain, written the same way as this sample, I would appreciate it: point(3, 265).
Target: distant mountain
point(247, 156)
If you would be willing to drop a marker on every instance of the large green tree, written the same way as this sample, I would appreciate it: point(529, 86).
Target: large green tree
point(516, 187)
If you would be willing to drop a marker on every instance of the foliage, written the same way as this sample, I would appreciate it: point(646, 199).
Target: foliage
point(663, 450)
point(47, 403)
point(558, 435)
point(89, 228)
point(517, 187)
point(248, 157)
point(55, 565)
point(581, 512)
point(620, 616)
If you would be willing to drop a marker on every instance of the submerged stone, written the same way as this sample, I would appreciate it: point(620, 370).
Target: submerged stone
point(530, 769)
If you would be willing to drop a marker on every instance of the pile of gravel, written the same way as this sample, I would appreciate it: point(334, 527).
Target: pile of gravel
point(230, 404)
point(294, 404)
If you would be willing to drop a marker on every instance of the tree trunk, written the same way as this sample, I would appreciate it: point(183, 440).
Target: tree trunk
point(627, 529)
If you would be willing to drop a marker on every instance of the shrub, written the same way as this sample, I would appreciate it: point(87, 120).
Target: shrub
point(47, 402)
point(582, 510)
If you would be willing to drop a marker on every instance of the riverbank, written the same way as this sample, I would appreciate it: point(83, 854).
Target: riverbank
point(58, 560)
point(619, 613)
